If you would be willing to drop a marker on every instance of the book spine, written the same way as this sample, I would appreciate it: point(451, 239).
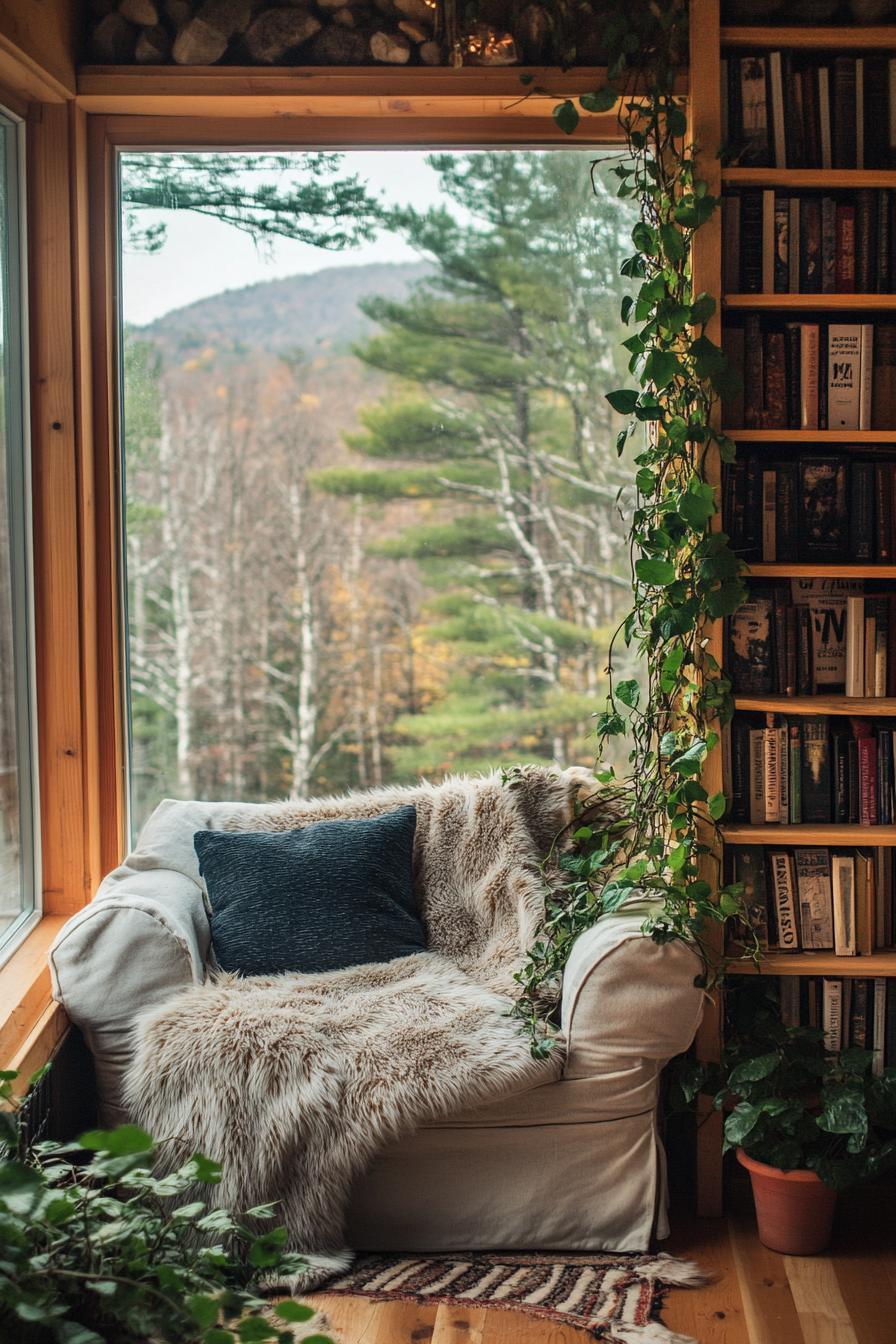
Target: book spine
point(858, 1019)
point(890, 1028)
point(883, 510)
point(813, 881)
point(792, 348)
point(793, 275)
point(731, 244)
point(751, 241)
point(795, 772)
point(861, 512)
point(844, 374)
point(816, 771)
point(754, 380)
point(866, 375)
point(882, 276)
point(776, 88)
point(855, 646)
point(783, 776)
point(774, 413)
point(768, 242)
point(809, 361)
point(757, 776)
point(771, 781)
point(843, 884)
point(845, 249)
point(867, 748)
point(879, 1025)
point(810, 248)
point(870, 646)
point(860, 111)
point(826, 140)
point(865, 249)
point(769, 515)
point(782, 245)
point(828, 245)
point(784, 898)
point(832, 1014)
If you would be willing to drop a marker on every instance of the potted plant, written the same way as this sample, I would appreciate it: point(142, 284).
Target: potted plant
point(96, 1249)
point(804, 1122)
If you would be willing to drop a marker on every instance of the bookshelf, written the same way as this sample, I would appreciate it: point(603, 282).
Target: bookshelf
point(711, 42)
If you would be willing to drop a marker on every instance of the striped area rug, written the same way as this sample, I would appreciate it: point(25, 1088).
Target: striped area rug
point(613, 1296)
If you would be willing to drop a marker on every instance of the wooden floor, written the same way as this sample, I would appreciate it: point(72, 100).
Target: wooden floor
point(845, 1297)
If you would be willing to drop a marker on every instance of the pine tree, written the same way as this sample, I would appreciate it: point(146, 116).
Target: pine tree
point(496, 418)
point(310, 199)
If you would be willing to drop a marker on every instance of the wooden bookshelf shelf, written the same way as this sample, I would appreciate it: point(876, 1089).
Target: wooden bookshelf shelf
point(812, 435)
point(807, 833)
point(869, 303)
point(839, 179)
point(795, 570)
point(817, 963)
point(861, 706)
point(810, 39)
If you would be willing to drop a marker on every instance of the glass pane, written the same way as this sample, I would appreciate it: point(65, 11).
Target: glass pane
point(16, 857)
point(371, 490)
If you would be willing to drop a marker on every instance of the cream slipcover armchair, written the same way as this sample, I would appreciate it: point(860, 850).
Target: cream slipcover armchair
point(574, 1164)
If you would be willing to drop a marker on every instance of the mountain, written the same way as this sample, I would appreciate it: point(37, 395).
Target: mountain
point(314, 313)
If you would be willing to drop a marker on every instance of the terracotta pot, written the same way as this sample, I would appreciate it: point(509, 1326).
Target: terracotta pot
point(794, 1209)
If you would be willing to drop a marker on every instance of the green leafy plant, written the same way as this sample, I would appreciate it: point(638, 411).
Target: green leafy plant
point(659, 839)
point(791, 1104)
point(95, 1249)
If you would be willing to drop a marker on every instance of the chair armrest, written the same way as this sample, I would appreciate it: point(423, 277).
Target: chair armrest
point(143, 937)
point(627, 999)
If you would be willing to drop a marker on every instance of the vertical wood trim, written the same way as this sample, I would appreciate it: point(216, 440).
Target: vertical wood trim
point(107, 480)
point(86, 501)
point(56, 535)
point(705, 130)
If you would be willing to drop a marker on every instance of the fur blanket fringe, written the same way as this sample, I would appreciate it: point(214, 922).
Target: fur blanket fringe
point(295, 1082)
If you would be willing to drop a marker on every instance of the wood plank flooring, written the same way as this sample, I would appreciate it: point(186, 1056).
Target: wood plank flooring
point(847, 1296)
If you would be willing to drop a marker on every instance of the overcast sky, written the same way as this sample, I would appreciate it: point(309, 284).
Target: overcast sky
point(202, 256)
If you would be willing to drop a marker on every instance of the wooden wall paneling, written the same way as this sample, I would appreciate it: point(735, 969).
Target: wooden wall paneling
point(38, 47)
point(56, 530)
point(705, 131)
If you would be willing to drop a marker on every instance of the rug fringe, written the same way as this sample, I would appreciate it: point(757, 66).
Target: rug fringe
point(677, 1273)
point(653, 1333)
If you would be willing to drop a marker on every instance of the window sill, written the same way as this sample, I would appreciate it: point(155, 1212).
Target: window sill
point(31, 1023)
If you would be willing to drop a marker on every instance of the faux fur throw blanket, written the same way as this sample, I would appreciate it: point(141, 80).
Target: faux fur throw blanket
point(294, 1082)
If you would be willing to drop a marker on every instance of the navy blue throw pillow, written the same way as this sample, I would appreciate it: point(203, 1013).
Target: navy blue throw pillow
point(333, 894)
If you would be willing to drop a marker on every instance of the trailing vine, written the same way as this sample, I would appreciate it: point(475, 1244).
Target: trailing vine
point(656, 821)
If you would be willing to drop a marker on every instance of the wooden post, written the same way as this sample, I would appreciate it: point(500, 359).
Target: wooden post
point(705, 131)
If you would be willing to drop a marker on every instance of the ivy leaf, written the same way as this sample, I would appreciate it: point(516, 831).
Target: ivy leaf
point(697, 504)
point(661, 367)
point(676, 121)
point(672, 240)
point(624, 400)
point(601, 100)
point(290, 1310)
point(120, 1142)
point(655, 572)
point(702, 309)
point(566, 116)
point(716, 806)
point(629, 693)
point(526, 78)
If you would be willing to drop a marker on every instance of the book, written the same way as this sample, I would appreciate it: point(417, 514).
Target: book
point(757, 776)
point(771, 758)
point(866, 376)
point(866, 747)
point(843, 889)
point(809, 369)
point(754, 118)
point(750, 645)
point(824, 511)
point(858, 1018)
point(784, 898)
point(844, 374)
point(832, 1014)
point(748, 868)
point(879, 1025)
point(816, 771)
point(813, 880)
point(883, 398)
point(855, 643)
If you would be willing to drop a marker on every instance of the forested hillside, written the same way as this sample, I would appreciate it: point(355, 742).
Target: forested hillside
point(372, 526)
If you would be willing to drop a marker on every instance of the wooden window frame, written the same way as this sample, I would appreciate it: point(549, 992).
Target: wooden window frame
point(73, 142)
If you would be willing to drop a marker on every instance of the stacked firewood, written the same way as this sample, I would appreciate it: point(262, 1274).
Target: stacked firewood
point(324, 32)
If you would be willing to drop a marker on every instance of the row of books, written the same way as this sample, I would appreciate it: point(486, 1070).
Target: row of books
point(802, 110)
point(812, 899)
point(785, 771)
point(852, 1011)
point(777, 244)
point(813, 635)
point(829, 507)
point(811, 375)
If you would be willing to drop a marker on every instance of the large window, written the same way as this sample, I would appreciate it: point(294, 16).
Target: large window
point(372, 525)
point(18, 885)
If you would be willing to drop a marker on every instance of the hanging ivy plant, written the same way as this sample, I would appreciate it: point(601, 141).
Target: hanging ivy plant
point(684, 573)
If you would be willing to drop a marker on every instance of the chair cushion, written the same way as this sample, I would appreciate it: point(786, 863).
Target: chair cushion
point(330, 895)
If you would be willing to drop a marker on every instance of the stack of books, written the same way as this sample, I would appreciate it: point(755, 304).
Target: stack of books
point(813, 635)
point(850, 1011)
point(809, 244)
point(811, 375)
point(788, 770)
point(811, 899)
point(789, 110)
